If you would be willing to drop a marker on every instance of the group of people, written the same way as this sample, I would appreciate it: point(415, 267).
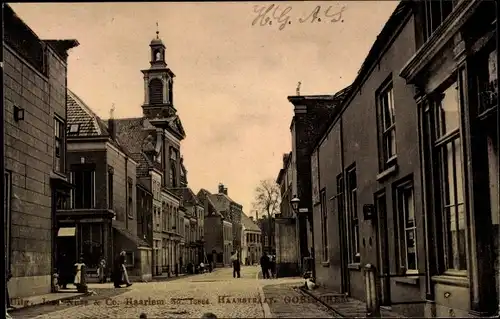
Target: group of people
point(268, 265)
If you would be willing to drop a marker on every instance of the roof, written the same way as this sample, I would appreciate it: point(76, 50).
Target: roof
point(397, 18)
point(129, 235)
point(187, 195)
point(87, 123)
point(138, 136)
point(204, 195)
point(286, 161)
point(248, 224)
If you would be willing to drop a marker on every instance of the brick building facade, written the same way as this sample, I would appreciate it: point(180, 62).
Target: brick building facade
point(35, 181)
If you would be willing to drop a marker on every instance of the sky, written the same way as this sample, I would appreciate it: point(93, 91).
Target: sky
point(233, 73)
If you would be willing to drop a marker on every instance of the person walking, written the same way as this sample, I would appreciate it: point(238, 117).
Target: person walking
point(235, 259)
point(272, 264)
point(123, 256)
point(264, 264)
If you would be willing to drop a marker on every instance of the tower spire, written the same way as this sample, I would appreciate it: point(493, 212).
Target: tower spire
point(157, 31)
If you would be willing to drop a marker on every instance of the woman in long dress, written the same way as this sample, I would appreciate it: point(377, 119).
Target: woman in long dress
point(80, 280)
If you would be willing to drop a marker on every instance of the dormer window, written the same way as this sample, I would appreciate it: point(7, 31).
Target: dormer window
point(74, 128)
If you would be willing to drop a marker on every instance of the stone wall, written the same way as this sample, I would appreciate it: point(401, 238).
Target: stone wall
point(29, 159)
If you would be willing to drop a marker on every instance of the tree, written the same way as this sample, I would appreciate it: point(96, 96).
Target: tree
point(267, 200)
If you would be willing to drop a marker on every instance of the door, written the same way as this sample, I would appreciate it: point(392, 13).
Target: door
point(381, 232)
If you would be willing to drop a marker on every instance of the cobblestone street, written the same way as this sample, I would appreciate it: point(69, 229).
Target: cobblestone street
point(189, 297)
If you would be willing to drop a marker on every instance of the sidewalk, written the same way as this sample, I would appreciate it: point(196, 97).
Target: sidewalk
point(285, 301)
point(50, 298)
point(344, 306)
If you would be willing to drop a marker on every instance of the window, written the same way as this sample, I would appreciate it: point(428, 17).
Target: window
point(91, 241)
point(487, 81)
point(352, 217)
point(405, 208)
point(59, 145)
point(324, 224)
point(7, 197)
point(387, 125)
point(173, 177)
point(130, 207)
point(110, 188)
point(443, 117)
point(74, 128)
point(435, 12)
point(83, 194)
point(155, 91)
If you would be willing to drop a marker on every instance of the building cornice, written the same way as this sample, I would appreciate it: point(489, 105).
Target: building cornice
point(444, 33)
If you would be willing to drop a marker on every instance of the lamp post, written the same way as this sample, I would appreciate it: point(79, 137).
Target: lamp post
point(295, 201)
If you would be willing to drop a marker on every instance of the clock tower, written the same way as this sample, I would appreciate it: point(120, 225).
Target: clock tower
point(158, 86)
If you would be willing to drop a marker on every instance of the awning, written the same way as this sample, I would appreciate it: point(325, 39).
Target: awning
point(66, 232)
point(130, 236)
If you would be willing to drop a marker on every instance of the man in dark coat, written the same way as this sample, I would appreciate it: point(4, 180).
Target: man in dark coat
point(118, 271)
point(236, 265)
point(264, 264)
point(65, 271)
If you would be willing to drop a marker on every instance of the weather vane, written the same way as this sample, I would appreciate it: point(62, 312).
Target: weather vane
point(298, 88)
point(157, 31)
point(112, 111)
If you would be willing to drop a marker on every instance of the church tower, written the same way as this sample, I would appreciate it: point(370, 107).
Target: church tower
point(158, 86)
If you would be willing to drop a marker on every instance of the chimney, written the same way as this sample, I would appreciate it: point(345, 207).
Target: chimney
point(225, 190)
point(111, 123)
point(257, 215)
point(221, 188)
point(285, 157)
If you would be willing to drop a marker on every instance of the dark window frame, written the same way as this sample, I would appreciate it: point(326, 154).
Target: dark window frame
point(401, 190)
point(352, 220)
point(130, 198)
point(435, 13)
point(439, 140)
point(386, 124)
point(74, 198)
point(59, 145)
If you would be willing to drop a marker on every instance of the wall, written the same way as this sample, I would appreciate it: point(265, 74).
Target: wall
point(29, 146)
point(124, 168)
point(361, 147)
point(213, 234)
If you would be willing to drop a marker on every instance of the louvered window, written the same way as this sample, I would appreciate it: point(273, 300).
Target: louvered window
point(156, 91)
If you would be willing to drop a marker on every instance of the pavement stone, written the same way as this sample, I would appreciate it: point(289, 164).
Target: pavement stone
point(287, 301)
point(189, 297)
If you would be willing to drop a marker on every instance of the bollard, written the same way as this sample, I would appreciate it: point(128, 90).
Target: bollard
point(372, 293)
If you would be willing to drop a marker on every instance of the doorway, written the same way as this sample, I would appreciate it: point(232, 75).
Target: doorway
point(381, 231)
point(66, 248)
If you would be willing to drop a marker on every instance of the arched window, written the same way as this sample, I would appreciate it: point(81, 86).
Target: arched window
point(157, 56)
point(156, 91)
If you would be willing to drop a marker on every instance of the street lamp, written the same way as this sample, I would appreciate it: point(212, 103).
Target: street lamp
point(295, 203)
